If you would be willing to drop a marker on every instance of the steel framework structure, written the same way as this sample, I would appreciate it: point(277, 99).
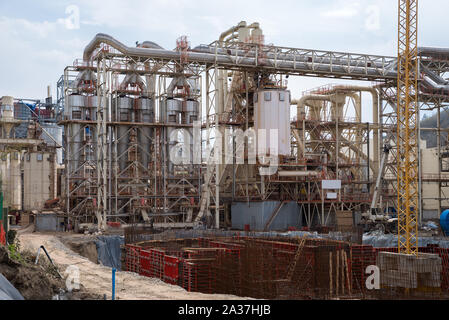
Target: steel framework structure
point(230, 107)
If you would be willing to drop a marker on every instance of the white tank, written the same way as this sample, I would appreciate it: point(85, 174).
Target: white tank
point(11, 180)
point(39, 180)
point(7, 108)
point(272, 112)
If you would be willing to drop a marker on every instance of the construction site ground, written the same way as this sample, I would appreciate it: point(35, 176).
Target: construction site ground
point(96, 279)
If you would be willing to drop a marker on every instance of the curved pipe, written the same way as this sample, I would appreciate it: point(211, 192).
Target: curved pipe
point(150, 79)
point(375, 97)
point(439, 53)
point(242, 24)
point(150, 45)
point(301, 103)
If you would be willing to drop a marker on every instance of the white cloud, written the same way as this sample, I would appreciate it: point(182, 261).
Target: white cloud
point(35, 52)
point(340, 13)
point(343, 9)
point(34, 55)
point(22, 26)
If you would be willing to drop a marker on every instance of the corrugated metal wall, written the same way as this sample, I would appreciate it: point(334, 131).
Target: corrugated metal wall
point(48, 222)
point(257, 214)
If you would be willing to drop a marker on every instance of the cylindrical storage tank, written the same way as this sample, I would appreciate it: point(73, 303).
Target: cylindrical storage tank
point(90, 132)
point(145, 108)
point(444, 222)
point(7, 110)
point(190, 115)
point(257, 36)
point(123, 110)
point(191, 108)
point(272, 113)
point(91, 106)
point(76, 104)
point(10, 168)
point(7, 115)
point(39, 179)
point(172, 109)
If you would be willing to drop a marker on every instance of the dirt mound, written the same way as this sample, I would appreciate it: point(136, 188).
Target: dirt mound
point(35, 282)
point(32, 281)
point(85, 249)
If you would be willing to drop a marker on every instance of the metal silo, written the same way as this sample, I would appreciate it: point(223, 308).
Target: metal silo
point(123, 107)
point(272, 112)
point(76, 104)
point(145, 108)
point(171, 114)
point(190, 115)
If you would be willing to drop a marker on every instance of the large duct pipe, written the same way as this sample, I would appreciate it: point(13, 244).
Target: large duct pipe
point(150, 79)
point(436, 53)
point(298, 58)
point(288, 62)
point(231, 30)
point(149, 45)
point(298, 173)
point(226, 60)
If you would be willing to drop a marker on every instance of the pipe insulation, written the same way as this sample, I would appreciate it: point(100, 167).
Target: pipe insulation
point(237, 60)
point(280, 61)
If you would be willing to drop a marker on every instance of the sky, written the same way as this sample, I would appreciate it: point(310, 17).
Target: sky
point(39, 38)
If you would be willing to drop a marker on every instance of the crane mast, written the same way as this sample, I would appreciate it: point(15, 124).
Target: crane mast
point(407, 128)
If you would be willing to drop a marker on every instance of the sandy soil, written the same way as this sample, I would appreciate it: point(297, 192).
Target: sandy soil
point(96, 278)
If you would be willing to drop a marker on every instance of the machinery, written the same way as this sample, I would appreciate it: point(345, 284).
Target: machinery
point(374, 219)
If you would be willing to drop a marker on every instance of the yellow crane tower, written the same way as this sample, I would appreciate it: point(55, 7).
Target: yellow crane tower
point(407, 130)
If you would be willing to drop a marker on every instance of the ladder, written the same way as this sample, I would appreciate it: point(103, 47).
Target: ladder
point(292, 266)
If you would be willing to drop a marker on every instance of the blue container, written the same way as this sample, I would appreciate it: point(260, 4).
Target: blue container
point(444, 222)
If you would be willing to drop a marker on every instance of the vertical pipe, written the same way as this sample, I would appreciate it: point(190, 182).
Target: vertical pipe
point(113, 283)
point(247, 126)
point(330, 274)
point(376, 142)
point(217, 165)
point(369, 155)
point(337, 271)
point(439, 160)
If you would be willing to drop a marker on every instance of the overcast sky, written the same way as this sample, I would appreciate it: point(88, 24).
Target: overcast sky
point(40, 37)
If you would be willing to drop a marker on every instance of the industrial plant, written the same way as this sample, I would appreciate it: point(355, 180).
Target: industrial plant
point(209, 173)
